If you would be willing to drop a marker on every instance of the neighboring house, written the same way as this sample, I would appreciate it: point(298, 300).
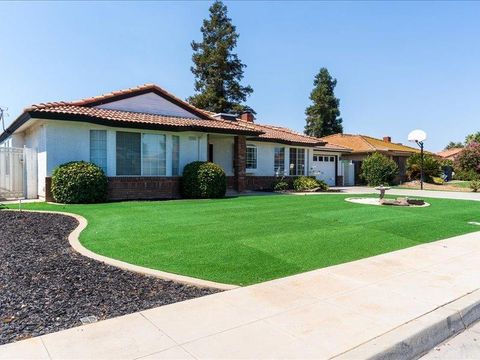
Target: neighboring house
point(143, 137)
point(362, 146)
point(450, 154)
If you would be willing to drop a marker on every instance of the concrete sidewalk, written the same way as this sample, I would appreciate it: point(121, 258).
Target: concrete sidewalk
point(318, 314)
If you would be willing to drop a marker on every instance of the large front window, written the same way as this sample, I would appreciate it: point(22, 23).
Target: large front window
point(140, 154)
point(279, 161)
point(297, 161)
point(251, 161)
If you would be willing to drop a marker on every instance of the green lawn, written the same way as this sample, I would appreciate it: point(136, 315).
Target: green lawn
point(247, 240)
point(460, 184)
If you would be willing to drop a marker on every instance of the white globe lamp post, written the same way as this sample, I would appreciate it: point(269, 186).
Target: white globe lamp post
point(419, 136)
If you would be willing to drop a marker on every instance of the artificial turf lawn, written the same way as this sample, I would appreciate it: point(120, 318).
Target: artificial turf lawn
point(247, 240)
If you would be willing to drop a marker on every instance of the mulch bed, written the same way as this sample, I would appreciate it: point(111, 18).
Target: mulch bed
point(45, 286)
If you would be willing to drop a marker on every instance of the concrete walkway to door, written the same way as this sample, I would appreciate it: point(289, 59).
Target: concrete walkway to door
point(320, 314)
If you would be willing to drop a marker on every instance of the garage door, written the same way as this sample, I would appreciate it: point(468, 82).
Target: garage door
point(324, 168)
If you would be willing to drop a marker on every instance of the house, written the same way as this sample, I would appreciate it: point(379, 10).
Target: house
point(362, 146)
point(450, 154)
point(143, 137)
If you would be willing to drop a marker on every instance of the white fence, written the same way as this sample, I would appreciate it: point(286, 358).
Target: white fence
point(18, 173)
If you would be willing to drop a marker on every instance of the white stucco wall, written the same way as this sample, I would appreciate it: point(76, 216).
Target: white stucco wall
point(149, 103)
point(223, 152)
point(70, 141)
point(34, 138)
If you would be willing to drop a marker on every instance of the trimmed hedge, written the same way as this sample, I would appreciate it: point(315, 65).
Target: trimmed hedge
point(305, 183)
point(79, 182)
point(203, 180)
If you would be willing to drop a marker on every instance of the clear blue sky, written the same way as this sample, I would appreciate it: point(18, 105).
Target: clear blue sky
point(399, 66)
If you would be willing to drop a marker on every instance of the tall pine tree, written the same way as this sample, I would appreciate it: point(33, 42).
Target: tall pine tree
point(218, 71)
point(323, 116)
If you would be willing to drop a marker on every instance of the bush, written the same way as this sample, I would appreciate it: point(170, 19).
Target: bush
point(475, 185)
point(431, 167)
point(466, 175)
point(281, 186)
point(305, 183)
point(79, 182)
point(438, 180)
point(469, 159)
point(379, 170)
point(203, 180)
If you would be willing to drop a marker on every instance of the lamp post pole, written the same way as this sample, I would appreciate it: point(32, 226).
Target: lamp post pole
point(420, 143)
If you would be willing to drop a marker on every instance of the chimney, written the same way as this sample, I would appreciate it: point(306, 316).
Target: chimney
point(247, 116)
point(387, 139)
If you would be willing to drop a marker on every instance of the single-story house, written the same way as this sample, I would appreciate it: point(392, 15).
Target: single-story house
point(362, 146)
point(450, 154)
point(143, 137)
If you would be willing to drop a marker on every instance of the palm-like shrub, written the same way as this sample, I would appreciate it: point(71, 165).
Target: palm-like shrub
point(79, 182)
point(377, 170)
point(305, 183)
point(203, 180)
point(431, 167)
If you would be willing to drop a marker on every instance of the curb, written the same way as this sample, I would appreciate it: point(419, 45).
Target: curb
point(73, 239)
point(419, 336)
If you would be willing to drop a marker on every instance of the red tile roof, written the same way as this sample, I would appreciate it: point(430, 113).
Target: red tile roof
point(367, 144)
point(450, 153)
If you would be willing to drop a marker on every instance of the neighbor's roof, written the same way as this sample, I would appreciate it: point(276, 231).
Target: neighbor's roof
point(85, 110)
point(449, 152)
point(367, 144)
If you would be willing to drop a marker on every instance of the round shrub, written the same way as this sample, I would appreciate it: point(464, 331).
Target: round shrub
point(203, 180)
point(475, 185)
point(377, 170)
point(79, 182)
point(281, 186)
point(431, 167)
point(305, 183)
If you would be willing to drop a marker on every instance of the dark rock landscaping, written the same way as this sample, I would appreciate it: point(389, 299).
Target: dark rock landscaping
point(45, 286)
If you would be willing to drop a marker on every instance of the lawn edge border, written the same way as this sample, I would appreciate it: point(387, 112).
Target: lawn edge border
point(417, 337)
point(74, 240)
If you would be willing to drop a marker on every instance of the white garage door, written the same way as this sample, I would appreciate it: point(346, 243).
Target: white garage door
point(324, 168)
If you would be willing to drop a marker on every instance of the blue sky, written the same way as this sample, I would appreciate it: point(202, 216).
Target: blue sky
point(399, 66)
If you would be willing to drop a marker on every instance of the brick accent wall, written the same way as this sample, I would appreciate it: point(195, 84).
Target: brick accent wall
point(239, 162)
point(135, 188)
point(147, 188)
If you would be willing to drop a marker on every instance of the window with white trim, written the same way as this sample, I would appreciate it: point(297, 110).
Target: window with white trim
point(140, 154)
point(251, 157)
point(279, 161)
point(297, 161)
point(98, 148)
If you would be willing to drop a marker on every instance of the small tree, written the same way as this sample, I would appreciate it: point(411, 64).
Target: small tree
point(469, 159)
point(431, 167)
point(323, 116)
point(377, 170)
point(454, 145)
point(475, 137)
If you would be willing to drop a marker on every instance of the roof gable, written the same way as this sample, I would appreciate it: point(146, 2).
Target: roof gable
point(148, 103)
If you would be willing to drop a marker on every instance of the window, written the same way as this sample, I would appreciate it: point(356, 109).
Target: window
point(332, 158)
point(297, 161)
point(153, 154)
point(251, 161)
point(98, 148)
point(320, 158)
point(128, 153)
point(315, 157)
point(175, 155)
point(141, 154)
point(279, 161)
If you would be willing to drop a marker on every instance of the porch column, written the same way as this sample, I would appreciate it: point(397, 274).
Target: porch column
point(239, 162)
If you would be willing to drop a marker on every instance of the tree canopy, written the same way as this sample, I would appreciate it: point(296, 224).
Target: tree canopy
point(454, 145)
point(323, 116)
point(218, 70)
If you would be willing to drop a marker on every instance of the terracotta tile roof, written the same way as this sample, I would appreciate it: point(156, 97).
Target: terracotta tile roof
point(125, 117)
point(280, 134)
point(450, 152)
point(367, 144)
point(333, 147)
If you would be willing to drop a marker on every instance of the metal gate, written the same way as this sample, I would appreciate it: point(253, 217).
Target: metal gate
point(18, 173)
